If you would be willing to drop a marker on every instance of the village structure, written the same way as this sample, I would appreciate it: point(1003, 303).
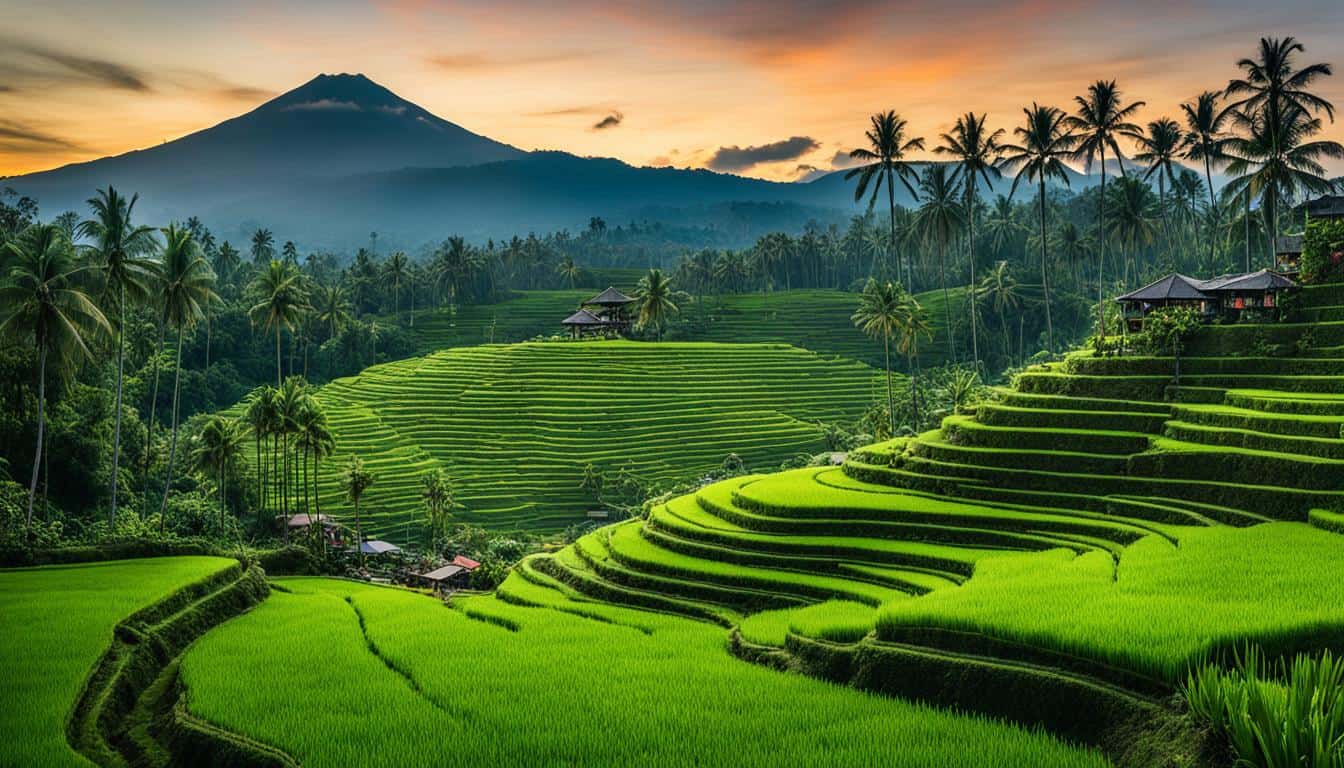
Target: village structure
point(1233, 297)
point(606, 314)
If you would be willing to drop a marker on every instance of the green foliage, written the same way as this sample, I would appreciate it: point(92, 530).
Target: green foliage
point(1323, 251)
point(1166, 329)
point(1275, 714)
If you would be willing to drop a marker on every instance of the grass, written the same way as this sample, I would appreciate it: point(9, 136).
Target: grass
point(514, 425)
point(840, 621)
point(342, 674)
point(814, 319)
point(55, 622)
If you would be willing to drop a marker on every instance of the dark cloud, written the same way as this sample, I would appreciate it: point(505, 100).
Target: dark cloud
point(843, 160)
point(610, 121)
point(51, 65)
point(243, 93)
point(741, 158)
point(18, 137)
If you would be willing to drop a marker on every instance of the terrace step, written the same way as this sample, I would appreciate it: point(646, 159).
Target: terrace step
point(1229, 437)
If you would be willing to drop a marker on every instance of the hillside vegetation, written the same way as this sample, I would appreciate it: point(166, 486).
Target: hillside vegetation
point(814, 319)
point(515, 425)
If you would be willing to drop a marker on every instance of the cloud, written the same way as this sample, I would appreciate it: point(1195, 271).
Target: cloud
point(50, 65)
point(484, 62)
point(610, 121)
point(805, 173)
point(842, 160)
point(19, 138)
point(742, 158)
point(323, 105)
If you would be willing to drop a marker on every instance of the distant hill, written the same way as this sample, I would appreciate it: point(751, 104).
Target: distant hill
point(340, 156)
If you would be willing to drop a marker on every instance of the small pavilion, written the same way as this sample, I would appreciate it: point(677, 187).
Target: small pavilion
point(606, 314)
point(1227, 296)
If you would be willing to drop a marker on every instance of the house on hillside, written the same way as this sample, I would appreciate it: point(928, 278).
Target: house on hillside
point(1228, 297)
point(303, 523)
point(606, 314)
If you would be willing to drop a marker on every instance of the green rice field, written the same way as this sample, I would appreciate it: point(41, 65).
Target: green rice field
point(55, 621)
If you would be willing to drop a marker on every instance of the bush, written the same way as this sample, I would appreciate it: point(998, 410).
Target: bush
point(1165, 330)
point(1323, 252)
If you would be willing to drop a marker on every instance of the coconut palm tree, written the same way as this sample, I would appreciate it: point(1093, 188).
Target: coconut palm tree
point(316, 441)
point(1071, 245)
point(357, 480)
point(454, 263)
point(881, 314)
point(436, 492)
point(1102, 117)
point(568, 270)
point(999, 288)
point(289, 401)
point(216, 451)
point(1002, 225)
point(187, 285)
point(1158, 148)
point(938, 219)
point(120, 249)
point(912, 324)
point(1273, 84)
point(1275, 164)
point(1206, 142)
point(977, 151)
point(263, 246)
point(257, 417)
point(396, 269)
point(1130, 210)
point(1045, 143)
point(43, 303)
point(289, 253)
point(227, 262)
point(281, 302)
point(656, 301)
point(332, 308)
point(884, 162)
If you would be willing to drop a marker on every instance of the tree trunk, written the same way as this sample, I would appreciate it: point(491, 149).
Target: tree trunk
point(891, 403)
point(149, 425)
point(970, 258)
point(891, 218)
point(1247, 220)
point(1101, 250)
point(947, 303)
point(1213, 211)
point(116, 430)
point(41, 429)
point(172, 449)
point(1045, 275)
point(277, 356)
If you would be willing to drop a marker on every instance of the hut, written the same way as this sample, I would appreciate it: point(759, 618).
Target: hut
point(1326, 207)
point(1228, 296)
point(465, 563)
point(444, 578)
point(377, 547)
point(302, 523)
point(605, 314)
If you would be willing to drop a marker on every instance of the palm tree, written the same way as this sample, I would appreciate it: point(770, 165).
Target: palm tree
point(999, 288)
point(43, 304)
point(290, 253)
point(454, 263)
point(1071, 245)
point(884, 159)
point(227, 261)
point(316, 440)
point(281, 302)
point(216, 451)
point(1272, 84)
point(912, 325)
point(396, 269)
point(1131, 218)
point(263, 246)
point(1045, 143)
point(436, 491)
point(257, 417)
point(1101, 118)
point(881, 314)
point(120, 249)
point(187, 287)
point(1206, 142)
point(568, 270)
point(977, 152)
point(1274, 164)
point(357, 480)
point(1158, 148)
point(656, 301)
point(938, 219)
point(289, 402)
point(1002, 225)
point(332, 308)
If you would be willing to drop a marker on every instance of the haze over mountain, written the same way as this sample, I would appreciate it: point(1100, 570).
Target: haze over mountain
point(341, 155)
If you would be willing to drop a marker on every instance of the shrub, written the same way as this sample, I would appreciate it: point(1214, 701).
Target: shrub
point(1323, 252)
point(1166, 329)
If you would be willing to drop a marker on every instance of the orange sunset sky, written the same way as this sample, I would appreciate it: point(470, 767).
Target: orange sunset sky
point(651, 83)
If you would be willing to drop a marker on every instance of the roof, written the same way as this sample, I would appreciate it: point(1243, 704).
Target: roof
point(1172, 287)
point(1288, 244)
point(444, 573)
point(610, 297)
point(378, 547)
point(1264, 280)
point(304, 520)
point(583, 317)
point(466, 562)
point(1326, 206)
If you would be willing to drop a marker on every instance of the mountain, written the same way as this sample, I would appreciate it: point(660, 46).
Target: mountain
point(333, 125)
point(339, 156)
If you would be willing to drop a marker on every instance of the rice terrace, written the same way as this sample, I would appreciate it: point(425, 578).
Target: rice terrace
point(735, 385)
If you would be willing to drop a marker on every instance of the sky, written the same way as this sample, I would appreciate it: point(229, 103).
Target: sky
point(777, 89)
